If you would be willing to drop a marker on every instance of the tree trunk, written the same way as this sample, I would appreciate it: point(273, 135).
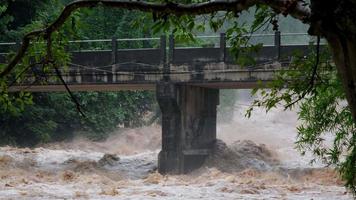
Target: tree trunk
point(344, 51)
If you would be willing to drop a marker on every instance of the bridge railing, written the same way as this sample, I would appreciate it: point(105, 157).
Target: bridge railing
point(215, 48)
point(6, 47)
point(109, 44)
point(154, 42)
point(163, 50)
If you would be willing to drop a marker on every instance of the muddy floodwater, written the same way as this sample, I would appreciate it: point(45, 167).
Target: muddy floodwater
point(253, 159)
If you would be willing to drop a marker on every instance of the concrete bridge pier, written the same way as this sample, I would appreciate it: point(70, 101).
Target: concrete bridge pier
point(188, 126)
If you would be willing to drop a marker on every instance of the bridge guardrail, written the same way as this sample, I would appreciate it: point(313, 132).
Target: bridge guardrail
point(159, 53)
point(153, 42)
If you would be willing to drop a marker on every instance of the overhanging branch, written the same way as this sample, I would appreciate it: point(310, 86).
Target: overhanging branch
point(71, 95)
point(312, 78)
point(295, 8)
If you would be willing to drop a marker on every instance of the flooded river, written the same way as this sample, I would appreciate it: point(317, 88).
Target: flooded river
point(253, 159)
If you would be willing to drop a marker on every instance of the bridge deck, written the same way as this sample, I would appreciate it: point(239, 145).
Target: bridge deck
point(209, 75)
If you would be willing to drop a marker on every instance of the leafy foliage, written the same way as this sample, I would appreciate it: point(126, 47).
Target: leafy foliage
point(52, 117)
point(28, 119)
point(327, 128)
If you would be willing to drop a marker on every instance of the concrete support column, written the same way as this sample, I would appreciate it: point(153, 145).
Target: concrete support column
point(188, 126)
point(168, 158)
point(198, 125)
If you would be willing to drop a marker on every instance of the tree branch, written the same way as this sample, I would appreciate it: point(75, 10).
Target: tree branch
point(77, 104)
point(295, 8)
point(49, 59)
point(312, 78)
point(23, 71)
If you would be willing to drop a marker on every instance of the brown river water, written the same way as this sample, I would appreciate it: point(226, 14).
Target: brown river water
point(253, 159)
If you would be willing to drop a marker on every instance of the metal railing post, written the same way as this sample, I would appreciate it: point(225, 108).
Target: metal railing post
point(222, 56)
point(146, 43)
point(163, 50)
point(164, 62)
point(113, 59)
point(18, 45)
point(277, 44)
point(171, 49)
point(114, 50)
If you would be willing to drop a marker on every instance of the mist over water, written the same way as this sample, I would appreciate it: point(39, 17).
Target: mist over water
point(253, 159)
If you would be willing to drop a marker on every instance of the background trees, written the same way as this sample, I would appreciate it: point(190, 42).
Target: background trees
point(52, 116)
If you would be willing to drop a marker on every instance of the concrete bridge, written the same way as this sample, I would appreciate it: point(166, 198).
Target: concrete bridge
point(187, 82)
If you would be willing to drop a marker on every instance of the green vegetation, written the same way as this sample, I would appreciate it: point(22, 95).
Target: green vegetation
point(52, 116)
point(28, 119)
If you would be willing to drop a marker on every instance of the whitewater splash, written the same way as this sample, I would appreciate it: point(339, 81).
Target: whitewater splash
point(254, 159)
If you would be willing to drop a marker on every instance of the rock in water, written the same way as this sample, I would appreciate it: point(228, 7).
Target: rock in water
point(108, 159)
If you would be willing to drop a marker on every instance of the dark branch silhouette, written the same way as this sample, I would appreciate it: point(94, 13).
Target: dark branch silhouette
point(312, 78)
point(74, 99)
